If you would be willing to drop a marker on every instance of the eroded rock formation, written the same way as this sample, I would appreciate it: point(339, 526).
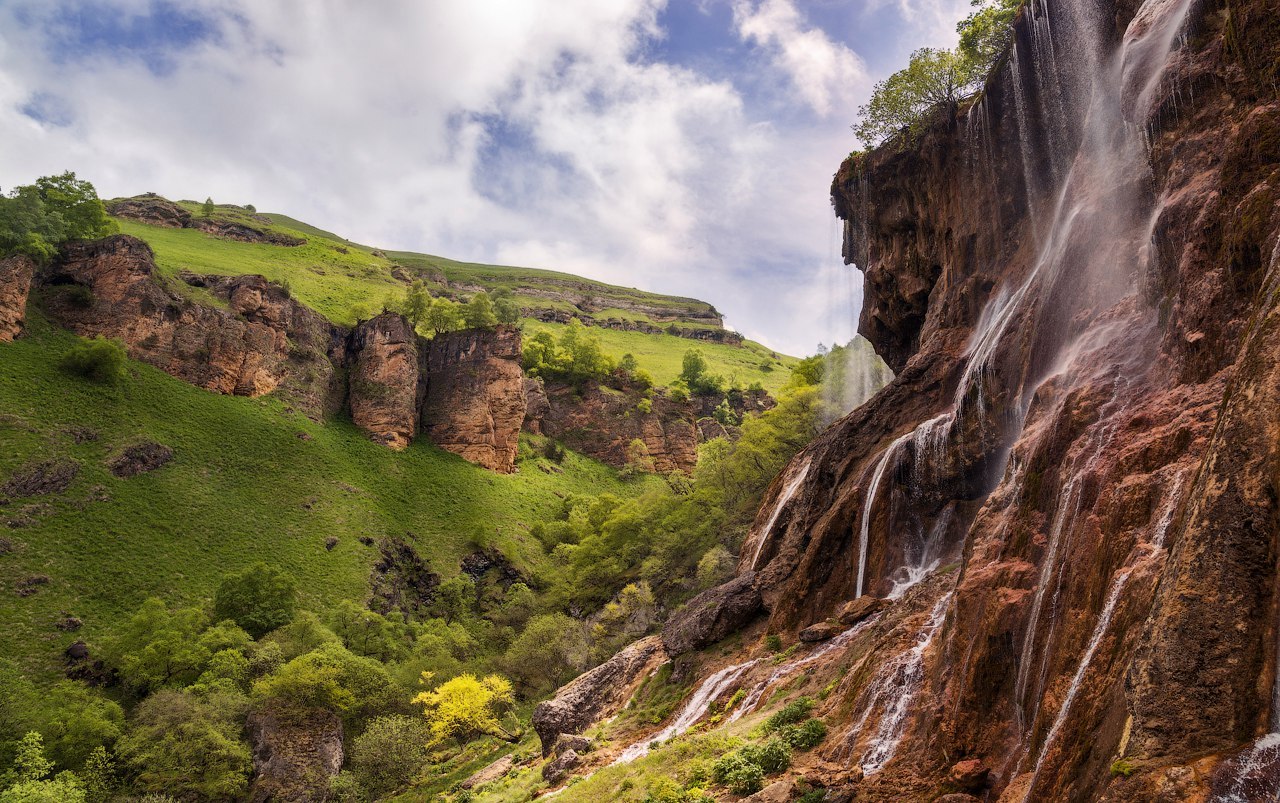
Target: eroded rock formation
point(475, 400)
point(294, 755)
point(157, 211)
point(385, 381)
point(15, 283)
point(464, 390)
point(602, 422)
point(111, 288)
point(598, 693)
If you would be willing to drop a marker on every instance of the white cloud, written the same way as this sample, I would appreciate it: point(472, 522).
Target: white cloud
point(525, 133)
point(819, 69)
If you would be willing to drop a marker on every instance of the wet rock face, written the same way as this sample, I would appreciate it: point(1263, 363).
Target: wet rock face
point(294, 755)
point(385, 379)
point(602, 422)
point(712, 615)
point(596, 694)
point(1093, 462)
point(15, 283)
point(475, 398)
point(109, 287)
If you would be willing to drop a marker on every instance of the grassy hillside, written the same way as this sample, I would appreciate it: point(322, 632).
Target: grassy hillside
point(333, 276)
point(249, 482)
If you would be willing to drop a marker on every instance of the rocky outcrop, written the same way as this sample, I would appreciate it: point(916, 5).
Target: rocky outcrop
point(712, 615)
point(15, 283)
point(294, 755)
point(264, 341)
point(475, 400)
point(385, 379)
point(489, 773)
point(157, 211)
point(110, 288)
point(152, 210)
point(1076, 285)
point(598, 693)
point(602, 421)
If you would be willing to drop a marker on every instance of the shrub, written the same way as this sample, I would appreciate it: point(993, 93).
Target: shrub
point(795, 711)
point(1123, 767)
point(259, 599)
point(389, 754)
point(804, 737)
point(331, 677)
point(738, 773)
point(99, 359)
point(773, 756)
point(345, 788)
point(773, 642)
point(466, 707)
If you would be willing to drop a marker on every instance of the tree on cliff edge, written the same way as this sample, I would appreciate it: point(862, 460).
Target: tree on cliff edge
point(35, 218)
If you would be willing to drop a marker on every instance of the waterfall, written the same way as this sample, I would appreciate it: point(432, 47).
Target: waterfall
point(894, 689)
point(693, 710)
point(1099, 631)
point(872, 489)
point(788, 491)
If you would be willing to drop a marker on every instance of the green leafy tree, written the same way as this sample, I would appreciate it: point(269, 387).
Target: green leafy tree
point(259, 599)
point(506, 307)
point(548, 652)
point(933, 78)
point(466, 707)
point(417, 303)
point(30, 763)
point(99, 776)
point(478, 312)
point(725, 414)
point(80, 721)
point(182, 746)
point(390, 753)
point(331, 677)
point(157, 647)
point(986, 33)
point(207, 208)
point(696, 377)
point(456, 597)
point(34, 219)
point(369, 633)
point(443, 316)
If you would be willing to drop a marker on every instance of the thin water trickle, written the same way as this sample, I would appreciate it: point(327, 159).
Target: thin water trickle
point(692, 711)
point(788, 491)
point(867, 509)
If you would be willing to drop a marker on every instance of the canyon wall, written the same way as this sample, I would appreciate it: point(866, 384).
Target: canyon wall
point(1068, 496)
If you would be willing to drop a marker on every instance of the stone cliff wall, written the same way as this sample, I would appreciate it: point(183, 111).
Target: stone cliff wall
point(1070, 490)
point(464, 390)
point(602, 422)
point(475, 400)
point(15, 283)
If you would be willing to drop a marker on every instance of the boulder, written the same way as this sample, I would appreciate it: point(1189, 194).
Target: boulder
point(572, 741)
point(385, 379)
point(969, 774)
point(820, 631)
point(597, 693)
point(490, 773)
point(861, 608)
point(776, 792)
point(712, 615)
point(294, 755)
point(475, 400)
point(15, 284)
point(557, 768)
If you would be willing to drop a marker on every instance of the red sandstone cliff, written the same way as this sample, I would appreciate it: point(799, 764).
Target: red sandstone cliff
point(15, 284)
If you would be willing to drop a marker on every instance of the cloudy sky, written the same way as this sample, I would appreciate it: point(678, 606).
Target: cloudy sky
point(683, 146)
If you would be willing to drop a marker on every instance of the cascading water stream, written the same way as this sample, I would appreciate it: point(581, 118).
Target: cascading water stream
point(872, 489)
point(893, 691)
point(788, 491)
point(693, 710)
point(752, 699)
